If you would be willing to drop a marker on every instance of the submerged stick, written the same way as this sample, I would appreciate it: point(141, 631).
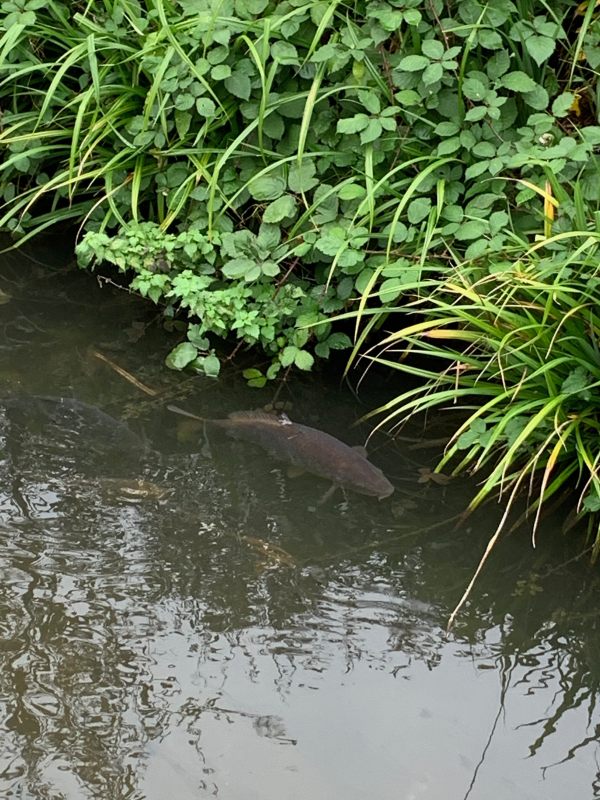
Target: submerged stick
point(124, 374)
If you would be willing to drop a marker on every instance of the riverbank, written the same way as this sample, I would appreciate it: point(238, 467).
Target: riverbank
point(261, 170)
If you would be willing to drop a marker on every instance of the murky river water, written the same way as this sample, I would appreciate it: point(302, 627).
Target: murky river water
point(179, 619)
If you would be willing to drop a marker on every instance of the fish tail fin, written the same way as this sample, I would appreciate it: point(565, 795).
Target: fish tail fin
point(183, 413)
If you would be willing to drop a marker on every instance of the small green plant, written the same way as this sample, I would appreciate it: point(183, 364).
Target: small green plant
point(225, 285)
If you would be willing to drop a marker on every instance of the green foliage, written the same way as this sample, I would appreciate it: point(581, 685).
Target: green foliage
point(517, 345)
point(258, 165)
point(184, 113)
point(226, 284)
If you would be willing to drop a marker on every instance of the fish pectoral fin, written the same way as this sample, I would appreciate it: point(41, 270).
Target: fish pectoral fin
point(360, 449)
point(295, 472)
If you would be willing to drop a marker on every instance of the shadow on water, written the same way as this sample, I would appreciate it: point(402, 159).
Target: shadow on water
point(178, 616)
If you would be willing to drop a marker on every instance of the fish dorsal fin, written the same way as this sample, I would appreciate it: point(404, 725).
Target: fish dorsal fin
point(360, 449)
point(256, 416)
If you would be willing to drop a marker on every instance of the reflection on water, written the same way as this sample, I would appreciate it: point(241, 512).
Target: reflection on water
point(177, 618)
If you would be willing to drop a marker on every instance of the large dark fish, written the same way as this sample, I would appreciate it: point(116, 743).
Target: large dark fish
point(72, 423)
point(306, 449)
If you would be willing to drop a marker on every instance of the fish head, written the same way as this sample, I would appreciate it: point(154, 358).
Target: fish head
point(371, 481)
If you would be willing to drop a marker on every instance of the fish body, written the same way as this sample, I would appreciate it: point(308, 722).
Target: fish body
point(308, 449)
point(72, 422)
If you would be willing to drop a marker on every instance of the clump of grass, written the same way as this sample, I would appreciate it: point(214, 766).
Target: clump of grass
point(517, 349)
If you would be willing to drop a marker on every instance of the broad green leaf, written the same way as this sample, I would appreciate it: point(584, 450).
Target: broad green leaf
point(250, 8)
point(518, 82)
point(497, 65)
point(269, 236)
point(302, 177)
point(412, 16)
point(205, 107)
point(432, 48)
point(274, 126)
point(432, 74)
point(197, 338)
point(413, 63)
point(476, 169)
point(476, 113)
point(353, 124)
point(407, 97)
point(370, 101)
point(498, 221)
point(211, 366)
point(418, 209)
point(238, 268)
point(258, 382)
point(184, 101)
point(540, 48)
point(447, 146)
point(390, 289)
point(474, 89)
point(239, 85)
point(284, 206)
point(339, 341)
point(363, 279)
point(562, 104)
point(183, 120)
point(476, 434)
point(537, 99)
point(591, 503)
point(274, 370)
point(267, 187)
point(472, 229)
point(332, 242)
point(304, 360)
point(270, 268)
point(489, 39)
point(447, 129)
point(351, 191)
point(220, 72)
point(372, 131)
point(285, 53)
point(217, 55)
point(144, 138)
point(326, 204)
point(453, 213)
point(287, 355)
point(181, 356)
point(484, 150)
point(477, 248)
point(389, 19)
point(255, 378)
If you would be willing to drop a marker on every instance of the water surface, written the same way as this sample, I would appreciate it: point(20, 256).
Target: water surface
point(180, 618)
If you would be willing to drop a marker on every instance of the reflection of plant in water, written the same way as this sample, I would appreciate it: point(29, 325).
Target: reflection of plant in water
point(566, 664)
point(548, 655)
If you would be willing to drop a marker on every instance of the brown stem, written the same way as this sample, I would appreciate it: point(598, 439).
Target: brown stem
point(280, 283)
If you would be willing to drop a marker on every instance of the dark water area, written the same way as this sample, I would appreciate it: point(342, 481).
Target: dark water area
point(180, 618)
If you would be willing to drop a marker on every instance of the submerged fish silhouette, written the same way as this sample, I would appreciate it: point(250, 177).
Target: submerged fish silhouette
point(304, 448)
point(72, 422)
